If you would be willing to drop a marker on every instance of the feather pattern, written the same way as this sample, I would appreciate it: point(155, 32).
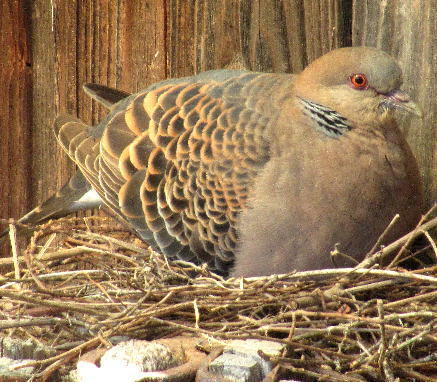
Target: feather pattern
point(178, 160)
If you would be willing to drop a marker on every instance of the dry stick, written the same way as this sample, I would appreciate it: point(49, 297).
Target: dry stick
point(13, 222)
point(414, 339)
point(420, 227)
point(304, 333)
point(324, 274)
point(54, 304)
point(371, 286)
point(382, 236)
point(50, 256)
point(56, 275)
point(101, 250)
point(49, 370)
point(68, 353)
point(13, 238)
point(365, 358)
point(9, 324)
point(120, 243)
point(388, 372)
point(45, 246)
point(101, 289)
point(408, 300)
point(418, 376)
point(284, 351)
point(383, 339)
point(430, 270)
point(352, 318)
point(431, 362)
point(40, 285)
point(314, 375)
point(196, 314)
point(367, 262)
point(432, 242)
point(129, 311)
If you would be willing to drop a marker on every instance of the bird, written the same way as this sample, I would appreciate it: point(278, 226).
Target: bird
point(252, 173)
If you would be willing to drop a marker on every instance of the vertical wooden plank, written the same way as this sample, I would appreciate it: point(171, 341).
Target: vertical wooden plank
point(181, 31)
point(267, 35)
point(244, 33)
point(15, 109)
point(327, 26)
point(207, 34)
point(407, 30)
point(44, 147)
point(295, 27)
point(85, 51)
point(267, 38)
point(217, 35)
point(142, 56)
point(73, 43)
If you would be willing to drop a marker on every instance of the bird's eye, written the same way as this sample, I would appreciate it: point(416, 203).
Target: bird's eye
point(358, 81)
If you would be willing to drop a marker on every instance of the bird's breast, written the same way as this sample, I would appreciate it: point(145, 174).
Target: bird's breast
point(321, 191)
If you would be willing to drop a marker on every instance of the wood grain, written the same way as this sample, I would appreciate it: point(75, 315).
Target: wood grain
point(44, 148)
point(15, 109)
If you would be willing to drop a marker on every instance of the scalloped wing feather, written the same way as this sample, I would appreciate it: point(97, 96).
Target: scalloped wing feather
point(178, 160)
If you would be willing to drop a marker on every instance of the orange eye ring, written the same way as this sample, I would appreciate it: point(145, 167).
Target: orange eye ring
point(358, 81)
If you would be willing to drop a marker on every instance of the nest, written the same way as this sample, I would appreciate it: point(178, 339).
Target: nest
point(84, 281)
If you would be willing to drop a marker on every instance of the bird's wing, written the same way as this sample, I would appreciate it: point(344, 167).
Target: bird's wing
point(178, 160)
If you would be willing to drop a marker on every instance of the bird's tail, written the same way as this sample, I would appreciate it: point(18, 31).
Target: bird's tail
point(75, 195)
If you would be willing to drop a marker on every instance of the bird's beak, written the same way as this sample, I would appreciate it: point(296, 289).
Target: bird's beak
point(398, 99)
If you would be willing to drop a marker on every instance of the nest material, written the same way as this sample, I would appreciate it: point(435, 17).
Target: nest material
point(82, 282)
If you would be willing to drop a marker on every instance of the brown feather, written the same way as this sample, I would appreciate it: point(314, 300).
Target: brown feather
point(265, 170)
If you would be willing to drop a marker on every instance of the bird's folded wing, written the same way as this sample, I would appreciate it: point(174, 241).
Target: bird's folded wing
point(177, 160)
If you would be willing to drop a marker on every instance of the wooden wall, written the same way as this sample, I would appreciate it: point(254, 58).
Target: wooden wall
point(49, 48)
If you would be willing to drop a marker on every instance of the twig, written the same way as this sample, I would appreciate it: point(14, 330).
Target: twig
point(13, 239)
point(432, 242)
point(409, 300)
point(403, 241)
point(20, 296)
point(327, 273)
point(51, 256)
point(382, 236)
point(383, 340)
point(9, 324)
point(420, 227)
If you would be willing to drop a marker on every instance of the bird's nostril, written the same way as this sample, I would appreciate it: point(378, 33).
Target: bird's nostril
point(398, 95)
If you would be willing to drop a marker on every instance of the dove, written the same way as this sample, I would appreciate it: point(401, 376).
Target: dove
point(252, 173)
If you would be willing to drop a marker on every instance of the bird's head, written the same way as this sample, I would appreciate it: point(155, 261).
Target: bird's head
point(361, 83)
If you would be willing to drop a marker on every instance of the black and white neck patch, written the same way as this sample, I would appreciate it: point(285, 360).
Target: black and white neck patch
point(328, 121)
